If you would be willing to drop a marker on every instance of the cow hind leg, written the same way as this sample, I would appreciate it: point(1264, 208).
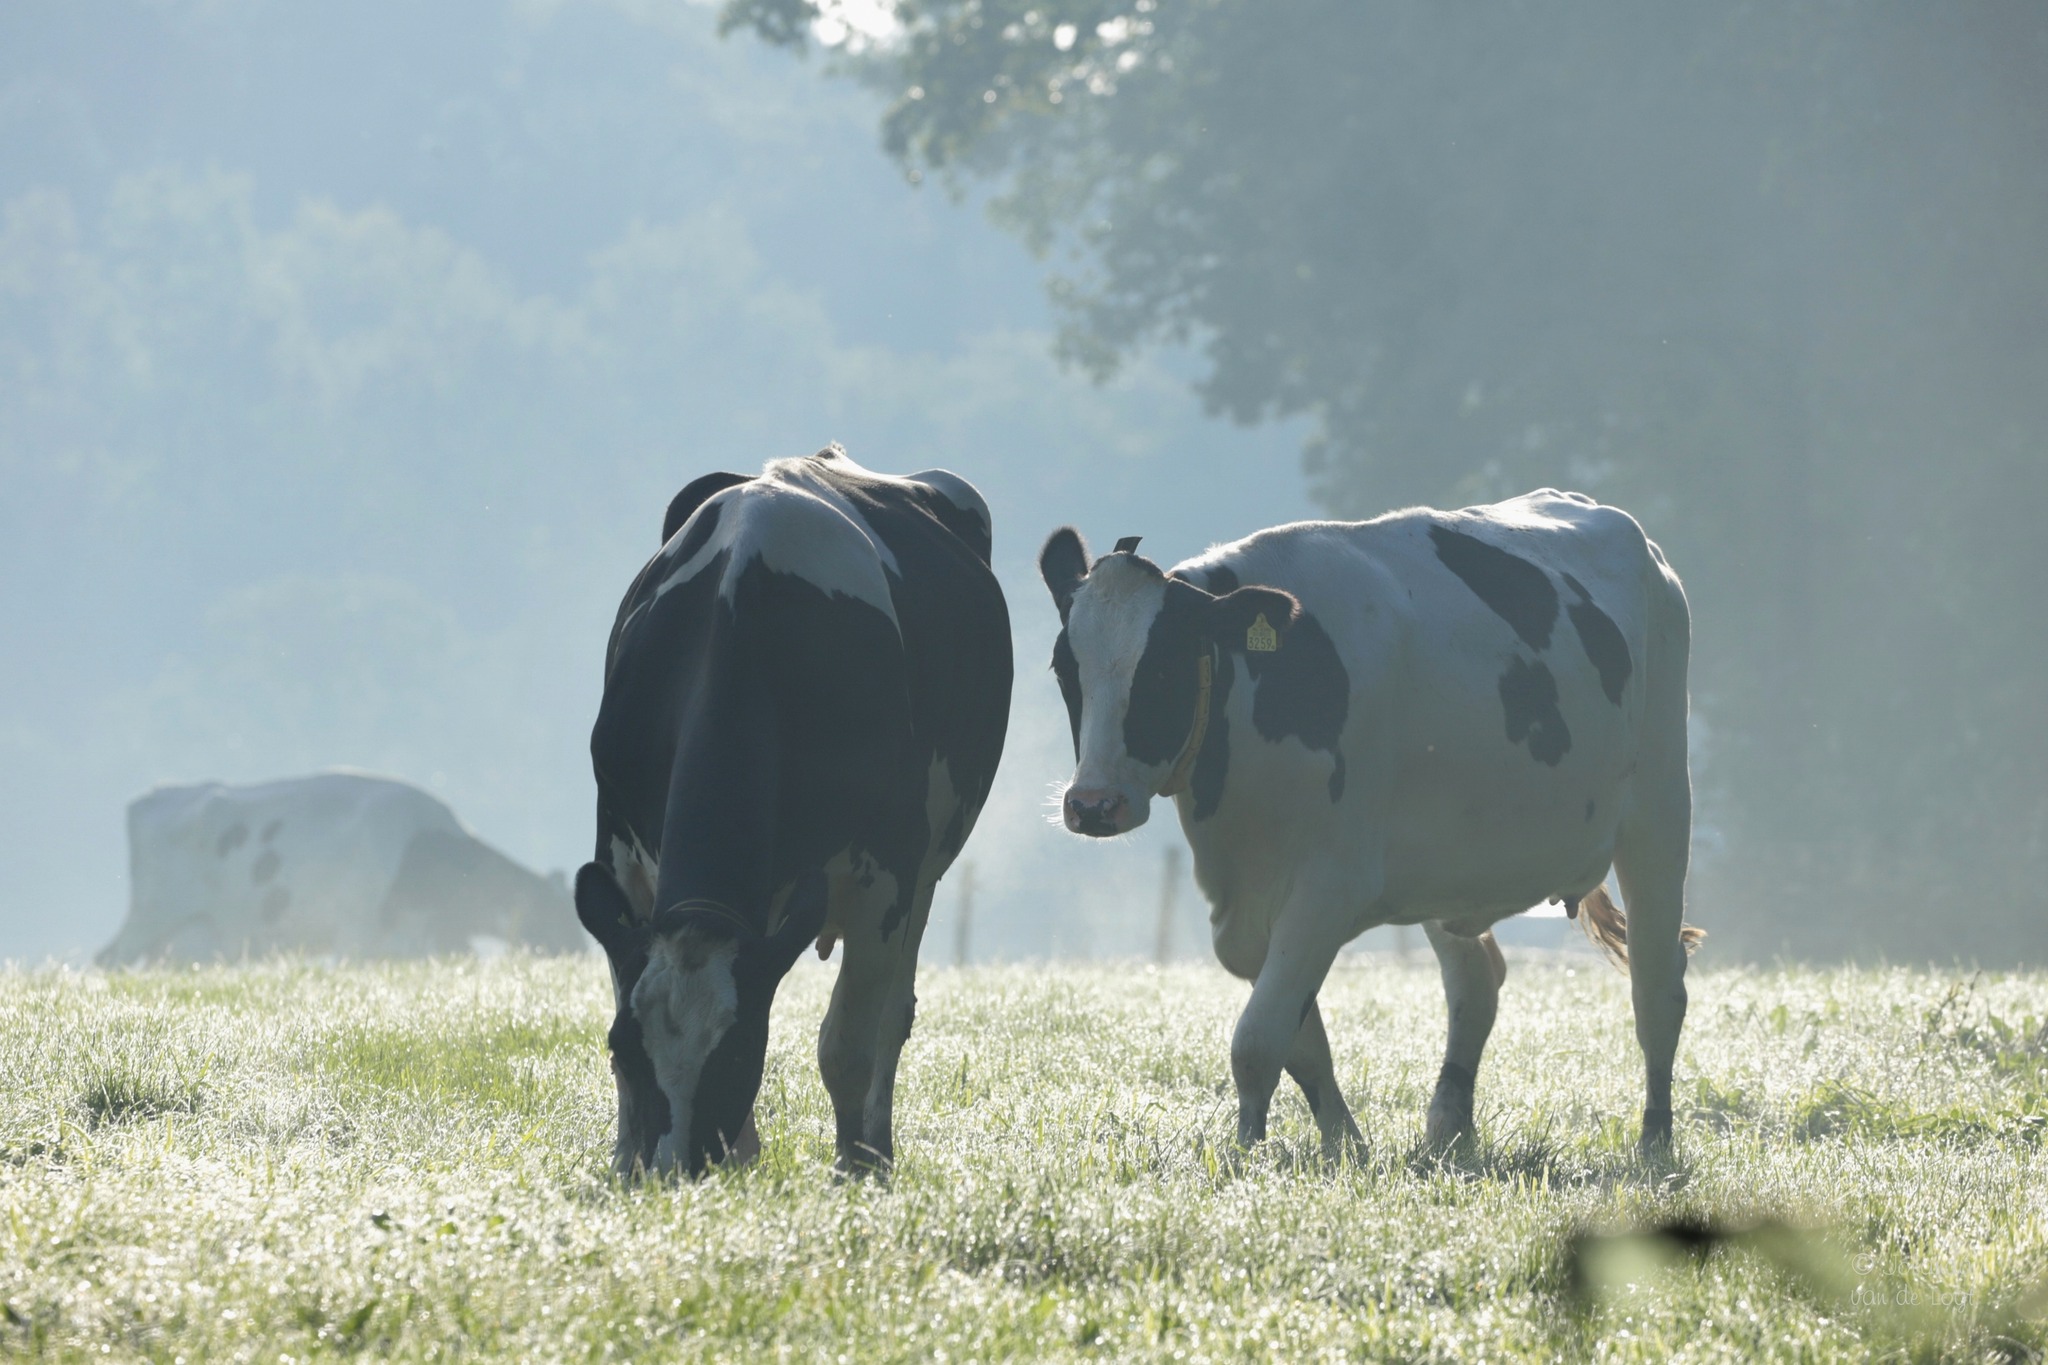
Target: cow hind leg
point(1472, 971)
point(1650, 861)
point(847, 1043)
point(1308, 1062)
point(899, 1011)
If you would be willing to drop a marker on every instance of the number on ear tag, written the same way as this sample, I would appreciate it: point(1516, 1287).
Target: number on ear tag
point(1261, 638)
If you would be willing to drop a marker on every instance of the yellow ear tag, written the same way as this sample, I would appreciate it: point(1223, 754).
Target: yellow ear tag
point(1261, 638)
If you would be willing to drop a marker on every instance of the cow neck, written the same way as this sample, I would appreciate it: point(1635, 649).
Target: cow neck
point(684, 914)
point(1184, 766)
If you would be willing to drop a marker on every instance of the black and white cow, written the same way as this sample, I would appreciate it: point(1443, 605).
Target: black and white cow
point(335, 863)
point(805, 698)
point(1435, 718)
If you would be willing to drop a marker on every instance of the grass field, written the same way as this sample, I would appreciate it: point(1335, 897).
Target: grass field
point(281, 1163)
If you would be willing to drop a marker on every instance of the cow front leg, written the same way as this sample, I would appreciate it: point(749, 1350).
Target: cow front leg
point(899, 1011)
point(1473, 970)
point(1304, 943)
point(847, 1043)
point(1308, 1061)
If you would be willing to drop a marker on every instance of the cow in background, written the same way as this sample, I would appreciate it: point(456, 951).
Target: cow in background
point(336, 864)
point(1435, 718)
point(806, 693)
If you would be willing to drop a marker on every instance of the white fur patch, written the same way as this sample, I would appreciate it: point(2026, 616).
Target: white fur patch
point(685, 1001)
point(801, 528)
point(1107, 627)
point(638, 873)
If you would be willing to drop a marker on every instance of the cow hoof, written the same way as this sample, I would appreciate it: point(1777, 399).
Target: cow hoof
point(1448, 1128)
point(1348, 1150)
point(743, 1150)
point(862, 1162)
point(1656, 1139)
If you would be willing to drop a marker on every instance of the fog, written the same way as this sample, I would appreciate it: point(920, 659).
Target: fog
point(350, 355)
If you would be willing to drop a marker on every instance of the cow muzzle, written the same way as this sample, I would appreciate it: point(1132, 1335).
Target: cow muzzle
point(1098, 812)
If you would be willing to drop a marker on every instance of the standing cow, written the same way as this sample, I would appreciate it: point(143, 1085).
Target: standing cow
point(1435, 718)
point(805, 698)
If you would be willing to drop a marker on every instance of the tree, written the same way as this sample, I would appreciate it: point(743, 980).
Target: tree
point(1768, 275)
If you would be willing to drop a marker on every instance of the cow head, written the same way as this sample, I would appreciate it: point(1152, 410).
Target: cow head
point(1130, 662)
point(690, 1036)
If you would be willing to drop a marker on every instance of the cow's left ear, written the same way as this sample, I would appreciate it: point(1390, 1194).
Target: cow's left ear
point(602, 906)
point(1063, 563)
point(1254, 620)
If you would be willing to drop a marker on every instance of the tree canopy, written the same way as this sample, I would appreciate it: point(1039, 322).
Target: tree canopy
point(1769, 276)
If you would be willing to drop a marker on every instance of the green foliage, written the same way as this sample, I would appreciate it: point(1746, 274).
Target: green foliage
point(410, 1162)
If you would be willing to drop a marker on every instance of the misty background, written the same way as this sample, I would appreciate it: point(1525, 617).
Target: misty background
point(348, 358)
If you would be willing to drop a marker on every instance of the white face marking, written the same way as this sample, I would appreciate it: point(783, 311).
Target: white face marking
point(1108, 624)
point(685, 1001)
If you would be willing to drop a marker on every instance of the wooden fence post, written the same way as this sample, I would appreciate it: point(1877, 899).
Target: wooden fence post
point(1169, 891)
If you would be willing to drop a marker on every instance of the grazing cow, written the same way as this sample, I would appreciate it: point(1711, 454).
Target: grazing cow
point(1433, 717)
point(805, 698)
point(337, 863)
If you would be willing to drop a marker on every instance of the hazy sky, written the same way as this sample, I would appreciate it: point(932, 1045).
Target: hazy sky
point(348, 358)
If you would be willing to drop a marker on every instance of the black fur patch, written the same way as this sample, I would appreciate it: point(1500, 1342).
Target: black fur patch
point(1602, 640)
point(1514, 589)
point(1221, 579)
point(1067, 669)
point(1457, 1079)
point(1528, 700)
point(1164, 685)
point(1304, 690)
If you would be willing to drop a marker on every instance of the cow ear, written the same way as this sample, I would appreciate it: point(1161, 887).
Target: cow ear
point(1063, 563)
point(1253, 620)
point(602, 906)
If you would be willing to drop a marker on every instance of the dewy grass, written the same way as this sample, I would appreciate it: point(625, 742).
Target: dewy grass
point(280, 1162)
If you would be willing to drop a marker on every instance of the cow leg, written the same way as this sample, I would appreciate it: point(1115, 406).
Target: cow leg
point(1650, 852)
point(847, 1038)
point(1304, 943)
point(1472, 972)
point(898, 1011)
point(1308, 1061)
point(1650, 860)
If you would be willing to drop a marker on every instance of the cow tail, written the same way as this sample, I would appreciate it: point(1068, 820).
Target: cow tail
point(1607, 927)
